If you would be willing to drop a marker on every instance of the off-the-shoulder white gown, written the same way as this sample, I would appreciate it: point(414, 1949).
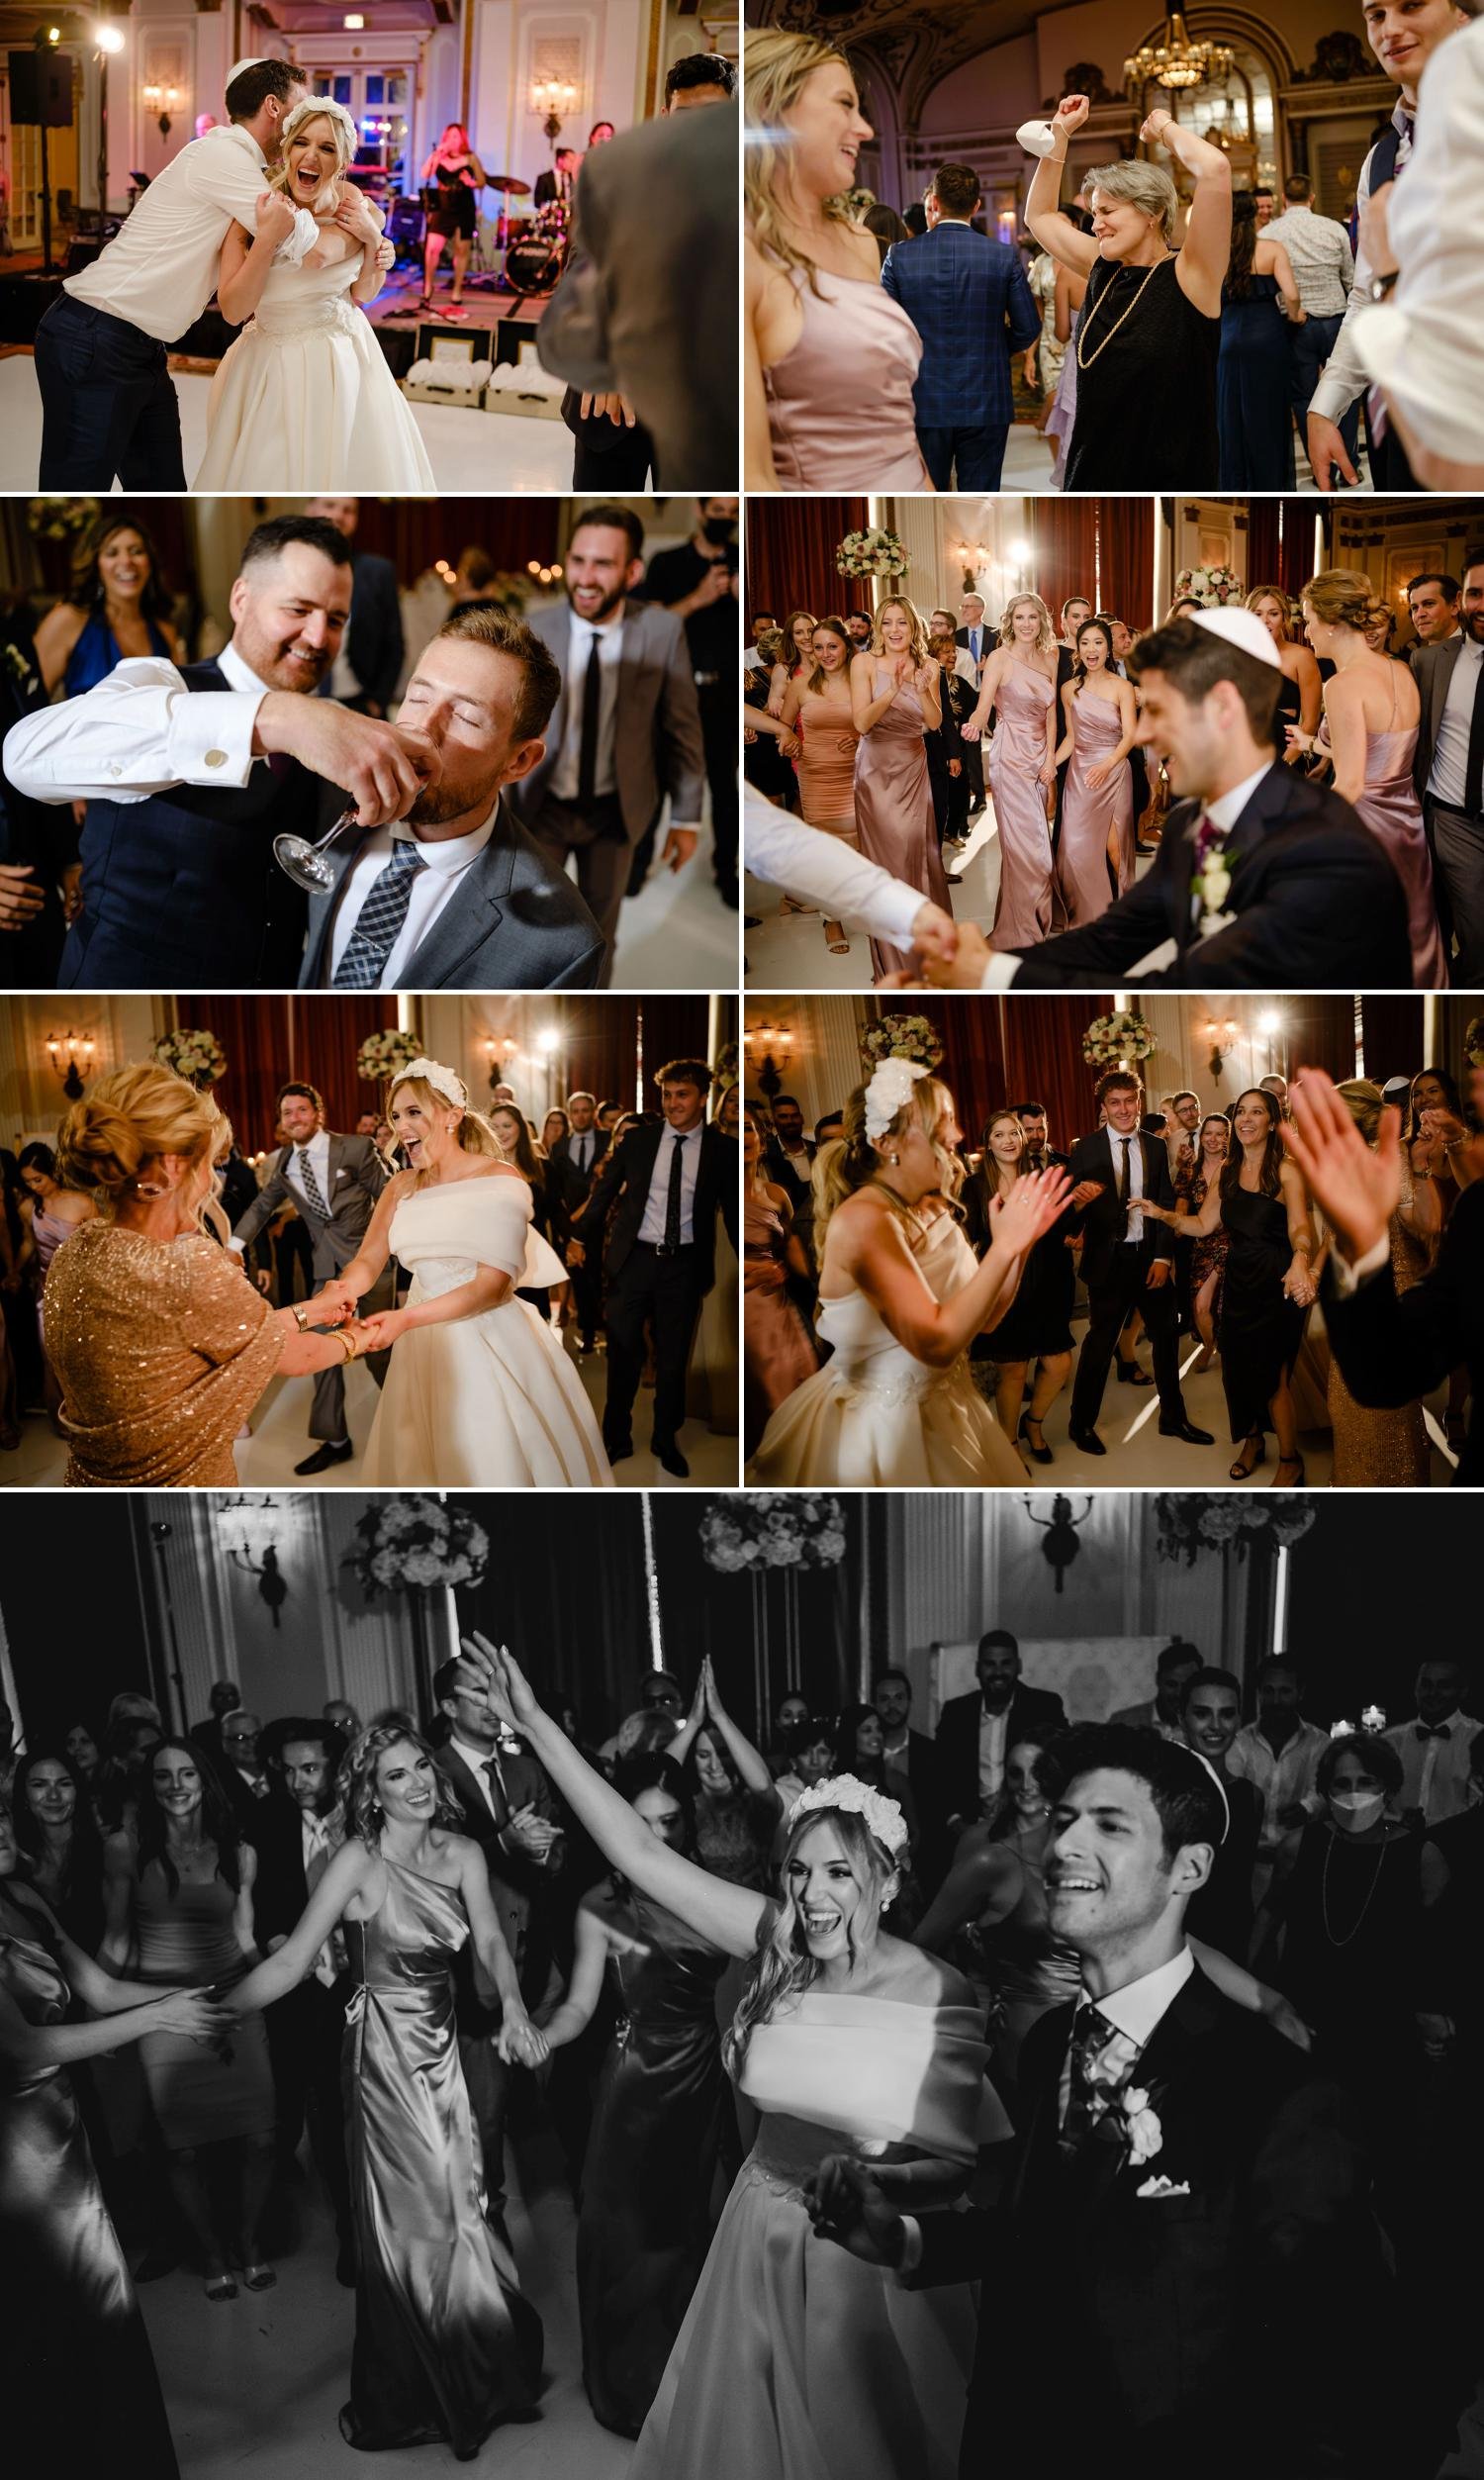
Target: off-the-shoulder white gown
point(488, 1402)
point(303, 400)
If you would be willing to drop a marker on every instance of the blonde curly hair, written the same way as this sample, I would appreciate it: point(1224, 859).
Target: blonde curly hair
point(774, 71)
point(1046, 635)
point(853, 1160)
point(1344, 598)
point(346, 136)
point(916, 622)
point(127, 1123)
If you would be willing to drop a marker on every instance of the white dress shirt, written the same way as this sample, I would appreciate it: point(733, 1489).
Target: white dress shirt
point(160, 269)
point(477, 1759)
point(1284, 1775)
point(609, 636)
point(318, 1150)
point(1424, 346)
point(1434, 1772)
point(652, 1227)
point(582, 1147)
point(1134, 1228)
point(993, 1729)
point(140, 732)
point(445, 864)
point(1344, 379)
point(787, 853)
point(1447, 780)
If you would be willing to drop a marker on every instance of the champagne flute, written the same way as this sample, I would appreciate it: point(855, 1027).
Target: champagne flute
point(305, 862)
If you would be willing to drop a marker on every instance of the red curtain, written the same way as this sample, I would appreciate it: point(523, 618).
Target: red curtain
point(1063, 539)
point(791, 557)
point(1126, 562)
point(271, 1041)
point(1014, 1050)
point(1391, 1029)
point(1319, 1031)
point(414, 534)
point(1281, 544)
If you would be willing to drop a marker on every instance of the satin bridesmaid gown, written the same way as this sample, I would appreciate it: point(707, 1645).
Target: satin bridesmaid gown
point(1081, 888)
point(1389, 807)
point(75, 2341)
point(1016, 755)
point(827, 767)
point(895, 805)
point(840, 408)
point(445, 2346)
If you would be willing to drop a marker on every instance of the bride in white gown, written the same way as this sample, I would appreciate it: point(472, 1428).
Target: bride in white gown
point(900, 1298)
point(480, 1393)
point(304, 400)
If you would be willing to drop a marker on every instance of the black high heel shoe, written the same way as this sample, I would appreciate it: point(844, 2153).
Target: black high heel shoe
point(1130, 1374)
point(1041, 1454)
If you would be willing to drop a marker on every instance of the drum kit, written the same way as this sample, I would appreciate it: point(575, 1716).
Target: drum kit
point(522, 254)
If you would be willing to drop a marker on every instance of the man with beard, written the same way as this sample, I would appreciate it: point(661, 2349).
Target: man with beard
point(697, 582)
point(189, 774)
point(455, 894)
point(369, 666)
point(626, 730)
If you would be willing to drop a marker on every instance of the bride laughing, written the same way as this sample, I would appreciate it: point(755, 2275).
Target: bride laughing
point(480, 1392)
point(304, 398)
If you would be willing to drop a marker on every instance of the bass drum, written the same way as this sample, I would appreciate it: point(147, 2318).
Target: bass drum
point(535, 267)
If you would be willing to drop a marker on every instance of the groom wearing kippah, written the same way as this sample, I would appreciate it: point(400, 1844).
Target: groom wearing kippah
point(1186, 2268)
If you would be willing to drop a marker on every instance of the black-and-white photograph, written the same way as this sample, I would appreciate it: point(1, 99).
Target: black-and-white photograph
point(815, 1984)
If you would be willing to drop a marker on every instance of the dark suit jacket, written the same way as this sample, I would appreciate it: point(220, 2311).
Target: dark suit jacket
point(625, 1173)
point(969, 300)
point(659, 228)
point(282, 1891)
point(375, 646)
point(357, 1176)
point(514, 924)
point(1432, 669)
point(32, 833)
point(1102, 1223)
point(566, 1185)
point(657, 742)
point(516, 1885)
point(1318, 905)
point(545, 192)
point(1190, 2333)
point(1036, 1713)
point(1393, 1347)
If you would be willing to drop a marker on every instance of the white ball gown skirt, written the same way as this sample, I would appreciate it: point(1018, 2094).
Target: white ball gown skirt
point(304, 400)
point(485, 1402)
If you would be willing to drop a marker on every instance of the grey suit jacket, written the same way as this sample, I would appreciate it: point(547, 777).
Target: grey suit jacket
point(514, 924)
point(1432, 669)
point(357, 1176)
point(657, 723)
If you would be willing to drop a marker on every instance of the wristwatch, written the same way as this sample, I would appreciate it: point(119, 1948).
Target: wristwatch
point(301, 1317)
point(1382, 286)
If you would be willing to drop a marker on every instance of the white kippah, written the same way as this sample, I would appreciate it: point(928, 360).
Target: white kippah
point(233, 75)
point(1239, 628)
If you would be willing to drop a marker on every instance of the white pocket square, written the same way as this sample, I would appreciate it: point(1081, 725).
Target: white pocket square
point(1164, 2187)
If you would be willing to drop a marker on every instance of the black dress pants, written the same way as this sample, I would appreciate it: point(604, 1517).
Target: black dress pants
point(109, 407)
point(667, 1293)
point(1125, 1286)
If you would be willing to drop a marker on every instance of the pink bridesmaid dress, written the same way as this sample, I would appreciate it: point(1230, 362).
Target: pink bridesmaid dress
point(1082, 889)
point(895, 805)
point(840, 400)
point(1017, 753)
point(1389, 807)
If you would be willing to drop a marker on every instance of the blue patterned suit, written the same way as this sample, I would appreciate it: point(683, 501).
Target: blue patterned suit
point(969, 300)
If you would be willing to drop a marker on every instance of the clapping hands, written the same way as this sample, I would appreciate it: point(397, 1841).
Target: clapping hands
point(1020, 1219)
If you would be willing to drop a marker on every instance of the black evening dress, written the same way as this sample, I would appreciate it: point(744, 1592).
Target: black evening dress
point(1290, 711)
point(445, 2346)
point(1146, 417)
point(75, 2342)
point(1259, 1330)
point(1253, 417)
point(646, 2218)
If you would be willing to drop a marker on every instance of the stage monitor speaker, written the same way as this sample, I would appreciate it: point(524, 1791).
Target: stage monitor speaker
point(41, 90)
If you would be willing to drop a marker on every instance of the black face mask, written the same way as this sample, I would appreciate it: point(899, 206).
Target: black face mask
point(720, 529)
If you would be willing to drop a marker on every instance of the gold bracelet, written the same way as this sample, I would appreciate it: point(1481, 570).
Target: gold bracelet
point(346, 1344)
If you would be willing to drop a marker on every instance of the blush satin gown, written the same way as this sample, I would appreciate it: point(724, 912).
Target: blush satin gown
point(445, 2346)
point(1389, 807)
point(482, 1403)
point(895, 805)
point(1012, 765)
point(1081, 888)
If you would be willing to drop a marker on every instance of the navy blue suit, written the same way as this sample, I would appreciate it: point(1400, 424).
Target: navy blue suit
point(969, 300)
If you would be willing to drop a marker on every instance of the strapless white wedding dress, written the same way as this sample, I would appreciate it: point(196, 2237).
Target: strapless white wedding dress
point(302, 399)
point(487, 1402)
point(875, 1416)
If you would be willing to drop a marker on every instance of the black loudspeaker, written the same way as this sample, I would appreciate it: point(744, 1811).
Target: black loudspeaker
point(41, 90)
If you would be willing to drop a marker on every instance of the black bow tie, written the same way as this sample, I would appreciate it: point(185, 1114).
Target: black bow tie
point(1439, 1731)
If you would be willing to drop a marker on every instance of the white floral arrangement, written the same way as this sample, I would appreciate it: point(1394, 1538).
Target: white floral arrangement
point(847, 1791)
point(902, 1037)
point(383, 1055)
point(417, 1544)
point(1110, 1041)
point(1473, 1042)
point(770, 1528)
point(871, 554)
point(57, 520)
point(193, 1054)
point(1212, 587)
point(1191, 1522)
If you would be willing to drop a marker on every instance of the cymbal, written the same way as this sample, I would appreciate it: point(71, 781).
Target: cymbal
point(507, 181)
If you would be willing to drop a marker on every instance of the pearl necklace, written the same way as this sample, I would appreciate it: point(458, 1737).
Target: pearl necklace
point(1086, 360)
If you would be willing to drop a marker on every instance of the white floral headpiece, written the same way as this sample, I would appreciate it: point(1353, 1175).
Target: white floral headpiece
point(442, 1080)
point(322, 108)
point(891, 1087)
point(847, 1791)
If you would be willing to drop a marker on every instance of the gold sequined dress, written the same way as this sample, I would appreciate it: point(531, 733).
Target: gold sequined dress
point(1379, 1450)
point(161, 1350)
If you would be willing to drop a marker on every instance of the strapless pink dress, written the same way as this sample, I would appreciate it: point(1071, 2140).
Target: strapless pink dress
point(1389, 807)
point(1016, 755)
point(840, 401)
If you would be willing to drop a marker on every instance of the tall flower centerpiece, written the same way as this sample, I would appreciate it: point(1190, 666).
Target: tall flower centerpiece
point(873, 552)
point(383, 1055)
point(1113, 1041)
point(902, 1037)
point(1212, 586)
point(1191, 1522)
point(193, 1054)
point(773, 1528)
point(418, 1547)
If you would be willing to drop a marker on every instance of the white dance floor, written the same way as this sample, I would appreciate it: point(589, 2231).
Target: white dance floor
point(468, 451)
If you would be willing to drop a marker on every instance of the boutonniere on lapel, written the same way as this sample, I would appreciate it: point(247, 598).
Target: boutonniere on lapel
point(1211, 880)
point(19, 668)
point(1124, 2111)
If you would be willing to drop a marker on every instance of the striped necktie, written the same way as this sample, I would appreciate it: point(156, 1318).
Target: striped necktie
point(381, 919)
point(314, 1193)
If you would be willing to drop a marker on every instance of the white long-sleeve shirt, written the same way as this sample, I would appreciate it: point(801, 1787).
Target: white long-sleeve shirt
point(1426, 345)
point(808, 862)
point(1345, 378)
point(137, 733)
point(160, 269)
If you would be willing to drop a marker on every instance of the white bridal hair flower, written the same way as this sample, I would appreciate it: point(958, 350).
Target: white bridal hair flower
point(844, 1790)
point(442, 1080)
point(889, 1087)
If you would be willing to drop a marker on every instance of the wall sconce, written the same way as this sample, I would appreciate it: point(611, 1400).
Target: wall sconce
point(271, 1587)
point(553, 97)
point(1223, 1037)
point(164, 100)
point(77, 1050)
point(763, 1041)
point(1060, 1544)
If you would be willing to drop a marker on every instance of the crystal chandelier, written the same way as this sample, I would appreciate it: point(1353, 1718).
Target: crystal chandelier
point(1178, 61)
